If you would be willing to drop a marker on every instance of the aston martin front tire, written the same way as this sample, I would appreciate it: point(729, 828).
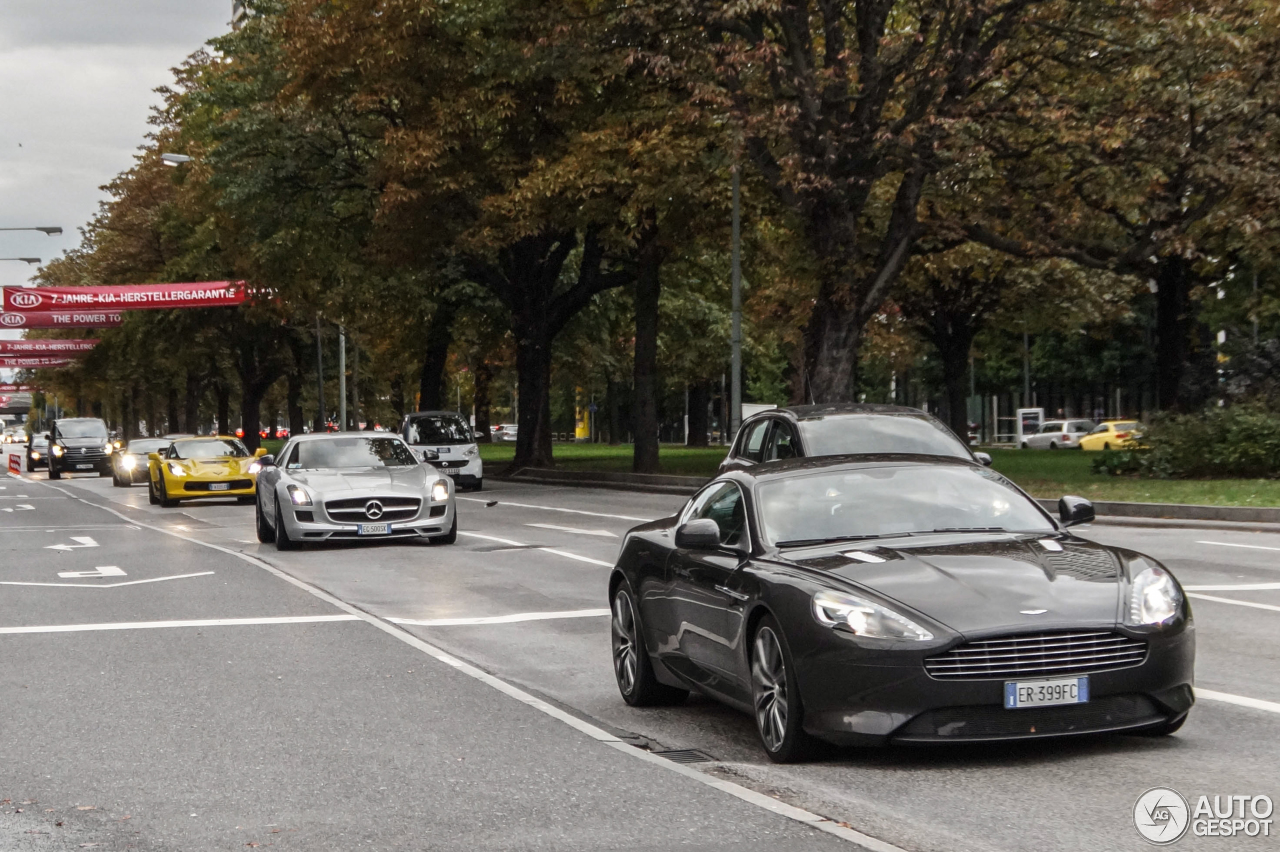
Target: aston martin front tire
point(632, 667)
point(266, 534)
point(779, 712)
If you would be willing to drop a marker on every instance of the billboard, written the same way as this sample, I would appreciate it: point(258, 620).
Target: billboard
point(40, 346)
point(12, 388)
point(206, 294)
point(32, 362)
point(62, 319)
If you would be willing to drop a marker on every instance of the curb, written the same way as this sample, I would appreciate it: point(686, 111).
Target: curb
point(1133, 514)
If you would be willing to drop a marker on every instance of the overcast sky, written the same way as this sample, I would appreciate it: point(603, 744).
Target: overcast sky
point(76, 89)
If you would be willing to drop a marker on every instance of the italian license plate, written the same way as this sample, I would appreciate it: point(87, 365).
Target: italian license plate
point(84, 467)
point(219, 486)
point(1045, 693)
point(374, 529)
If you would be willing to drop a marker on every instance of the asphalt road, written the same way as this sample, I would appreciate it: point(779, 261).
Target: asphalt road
point(336, 734)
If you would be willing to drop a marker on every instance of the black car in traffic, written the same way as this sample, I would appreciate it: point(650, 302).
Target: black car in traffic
point(79, 445)
point(129, 463)
point(877, 599)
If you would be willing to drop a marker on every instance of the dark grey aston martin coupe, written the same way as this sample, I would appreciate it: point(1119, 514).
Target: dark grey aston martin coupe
point(897, 599)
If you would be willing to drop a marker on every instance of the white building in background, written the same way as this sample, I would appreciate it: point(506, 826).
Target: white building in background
point(238, 13)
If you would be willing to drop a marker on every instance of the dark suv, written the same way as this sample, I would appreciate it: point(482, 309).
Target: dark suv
point(804, 431)
point(79, 445)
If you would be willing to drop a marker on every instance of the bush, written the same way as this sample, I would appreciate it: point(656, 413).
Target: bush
point(1117, 462)
point(1239, 441)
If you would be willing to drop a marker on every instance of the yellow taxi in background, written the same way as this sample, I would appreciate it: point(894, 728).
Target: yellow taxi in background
point(1113, 435)
point(200, 468)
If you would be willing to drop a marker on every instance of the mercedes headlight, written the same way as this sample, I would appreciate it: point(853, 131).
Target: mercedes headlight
point(861, 617)
point(56, 450)
point(176, 469)
point(298, 496)
point(440, 491)
point(1154, 597)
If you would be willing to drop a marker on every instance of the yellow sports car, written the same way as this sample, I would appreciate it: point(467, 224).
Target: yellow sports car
point(195, 468)
point(1113, 435)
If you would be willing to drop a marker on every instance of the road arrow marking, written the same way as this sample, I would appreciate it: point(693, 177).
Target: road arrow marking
point(85, 541)
point(100, 571)
point(575, 530)
point(106, 585)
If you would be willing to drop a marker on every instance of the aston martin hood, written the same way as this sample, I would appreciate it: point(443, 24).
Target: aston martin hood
point(334, 482)
point(991, 584)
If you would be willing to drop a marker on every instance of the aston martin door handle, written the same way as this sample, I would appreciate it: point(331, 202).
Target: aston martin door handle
point(736, 595)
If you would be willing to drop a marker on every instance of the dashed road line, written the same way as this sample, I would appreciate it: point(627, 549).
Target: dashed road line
point(1240, 587)
point(106, 585)
point(1240, 700)
point(574, 556)
point(1217, 599)
point(559, 509)
point(500, 619)
point(1229, 544)
point(574, 530)
point(202, 622)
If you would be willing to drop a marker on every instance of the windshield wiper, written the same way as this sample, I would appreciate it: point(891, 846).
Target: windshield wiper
point(970, 529)
point(807, 542)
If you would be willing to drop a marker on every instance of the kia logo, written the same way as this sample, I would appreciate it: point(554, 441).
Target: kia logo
point(25, 299)
point(373, 510)
point(13, 320)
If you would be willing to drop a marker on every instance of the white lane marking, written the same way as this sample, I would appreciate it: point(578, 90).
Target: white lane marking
point(563, 553)
point(599, 734)
point(1228, 698)
point(84, 541)
point(559, 509)
point(100, 571)
point(64, 528)
point(500, 619)
point(204, 622)
point(107, 585)
point(1233, 601)
point(574, 530)
point(1229, 544)
point(1242, 587)
point(21, 507)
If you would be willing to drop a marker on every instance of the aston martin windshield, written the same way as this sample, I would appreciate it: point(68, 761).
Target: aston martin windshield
point(351, 452)
point(213, 448)
point(879, 433)
point(848, 505)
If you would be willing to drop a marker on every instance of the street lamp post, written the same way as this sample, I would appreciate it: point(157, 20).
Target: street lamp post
point(735, 403)
point(31, 260)
point(46, 229)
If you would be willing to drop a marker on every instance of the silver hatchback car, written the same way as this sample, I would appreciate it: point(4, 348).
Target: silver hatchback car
point(1058, 435)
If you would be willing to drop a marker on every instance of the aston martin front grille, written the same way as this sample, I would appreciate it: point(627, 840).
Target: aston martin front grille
point(1038, 655)
point(356, 510)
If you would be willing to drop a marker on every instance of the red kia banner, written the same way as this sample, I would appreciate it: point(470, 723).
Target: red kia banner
point(12, 388)
point(10, 362)
point(62, 319)
point(207, 294)
point(40, 346)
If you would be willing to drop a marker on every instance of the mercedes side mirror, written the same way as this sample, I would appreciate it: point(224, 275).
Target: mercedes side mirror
point(430, 455)
point(266, 459)
point(985, 458)
point(1075, 510)
point(702, 534)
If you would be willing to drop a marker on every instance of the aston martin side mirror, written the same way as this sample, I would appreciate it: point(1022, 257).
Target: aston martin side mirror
point(1075, 510)
point(702, 534)
point(985, 458)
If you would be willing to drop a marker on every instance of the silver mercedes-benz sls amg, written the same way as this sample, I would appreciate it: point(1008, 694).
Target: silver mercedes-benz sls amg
point(352, 486)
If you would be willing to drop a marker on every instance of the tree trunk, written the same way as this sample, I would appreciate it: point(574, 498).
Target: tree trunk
point(613, 401)
point(191, 404)
point(533, 437)
point(171, 411)
point(831, 339)
point(250, 416)
point(1173, 330)
point(431, 383)
point(223, 396)
point(955, 373)
point(293, 401)
point(153, 418)
point(483, 377)
point(699, 400)
point(645, 377)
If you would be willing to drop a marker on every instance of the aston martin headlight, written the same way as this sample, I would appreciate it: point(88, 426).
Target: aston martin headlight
point(440, 491)
point(298, 496)
point(1154, 597)
point(128, 461)
point(176, 469)
point(864, 618)
point(57, 450)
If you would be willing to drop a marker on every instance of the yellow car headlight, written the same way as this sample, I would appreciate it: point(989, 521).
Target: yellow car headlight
point(177, 469)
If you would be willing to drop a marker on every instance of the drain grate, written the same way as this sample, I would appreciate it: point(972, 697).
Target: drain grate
point(685, 755)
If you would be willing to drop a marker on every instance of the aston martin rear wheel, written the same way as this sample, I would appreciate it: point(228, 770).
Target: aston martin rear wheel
point(266, 534)
point(631, 665)
point(283, 542)
point(778, 711)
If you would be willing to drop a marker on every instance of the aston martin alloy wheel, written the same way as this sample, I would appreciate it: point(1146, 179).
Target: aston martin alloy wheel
point(778, 710)
point(631, 665)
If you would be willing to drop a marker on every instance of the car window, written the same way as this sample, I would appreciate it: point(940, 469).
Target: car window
point(1052, 426)
point(144, 446)
point(355, 453)
point(82, 429)
point(1100, 428)
point(724, 505)
point(753, 441)
point(1081, 426)
point(836, 435)
point(291, 460)
point(212, 448)
point(782, 443)
point(1124, 427)
point(441, 429)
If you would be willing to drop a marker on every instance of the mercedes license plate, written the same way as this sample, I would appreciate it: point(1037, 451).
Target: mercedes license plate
point(84, 467)
point(374, 529)
point(219, 486)
point(1045, 693)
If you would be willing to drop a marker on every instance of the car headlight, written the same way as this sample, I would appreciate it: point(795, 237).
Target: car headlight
point(1154, 597)
point(298, 496)
point(56, 450)
point(471, 452)
point(109, 449)
point(128, 461)
point(440, 491)
point(176, 469)
point(863, 618)
point(35, 455)
point(255, 466)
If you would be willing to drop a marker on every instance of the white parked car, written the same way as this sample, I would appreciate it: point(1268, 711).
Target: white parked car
point(352, 486)
point(1058, 435)
point(448, 435)
point(505, 432)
